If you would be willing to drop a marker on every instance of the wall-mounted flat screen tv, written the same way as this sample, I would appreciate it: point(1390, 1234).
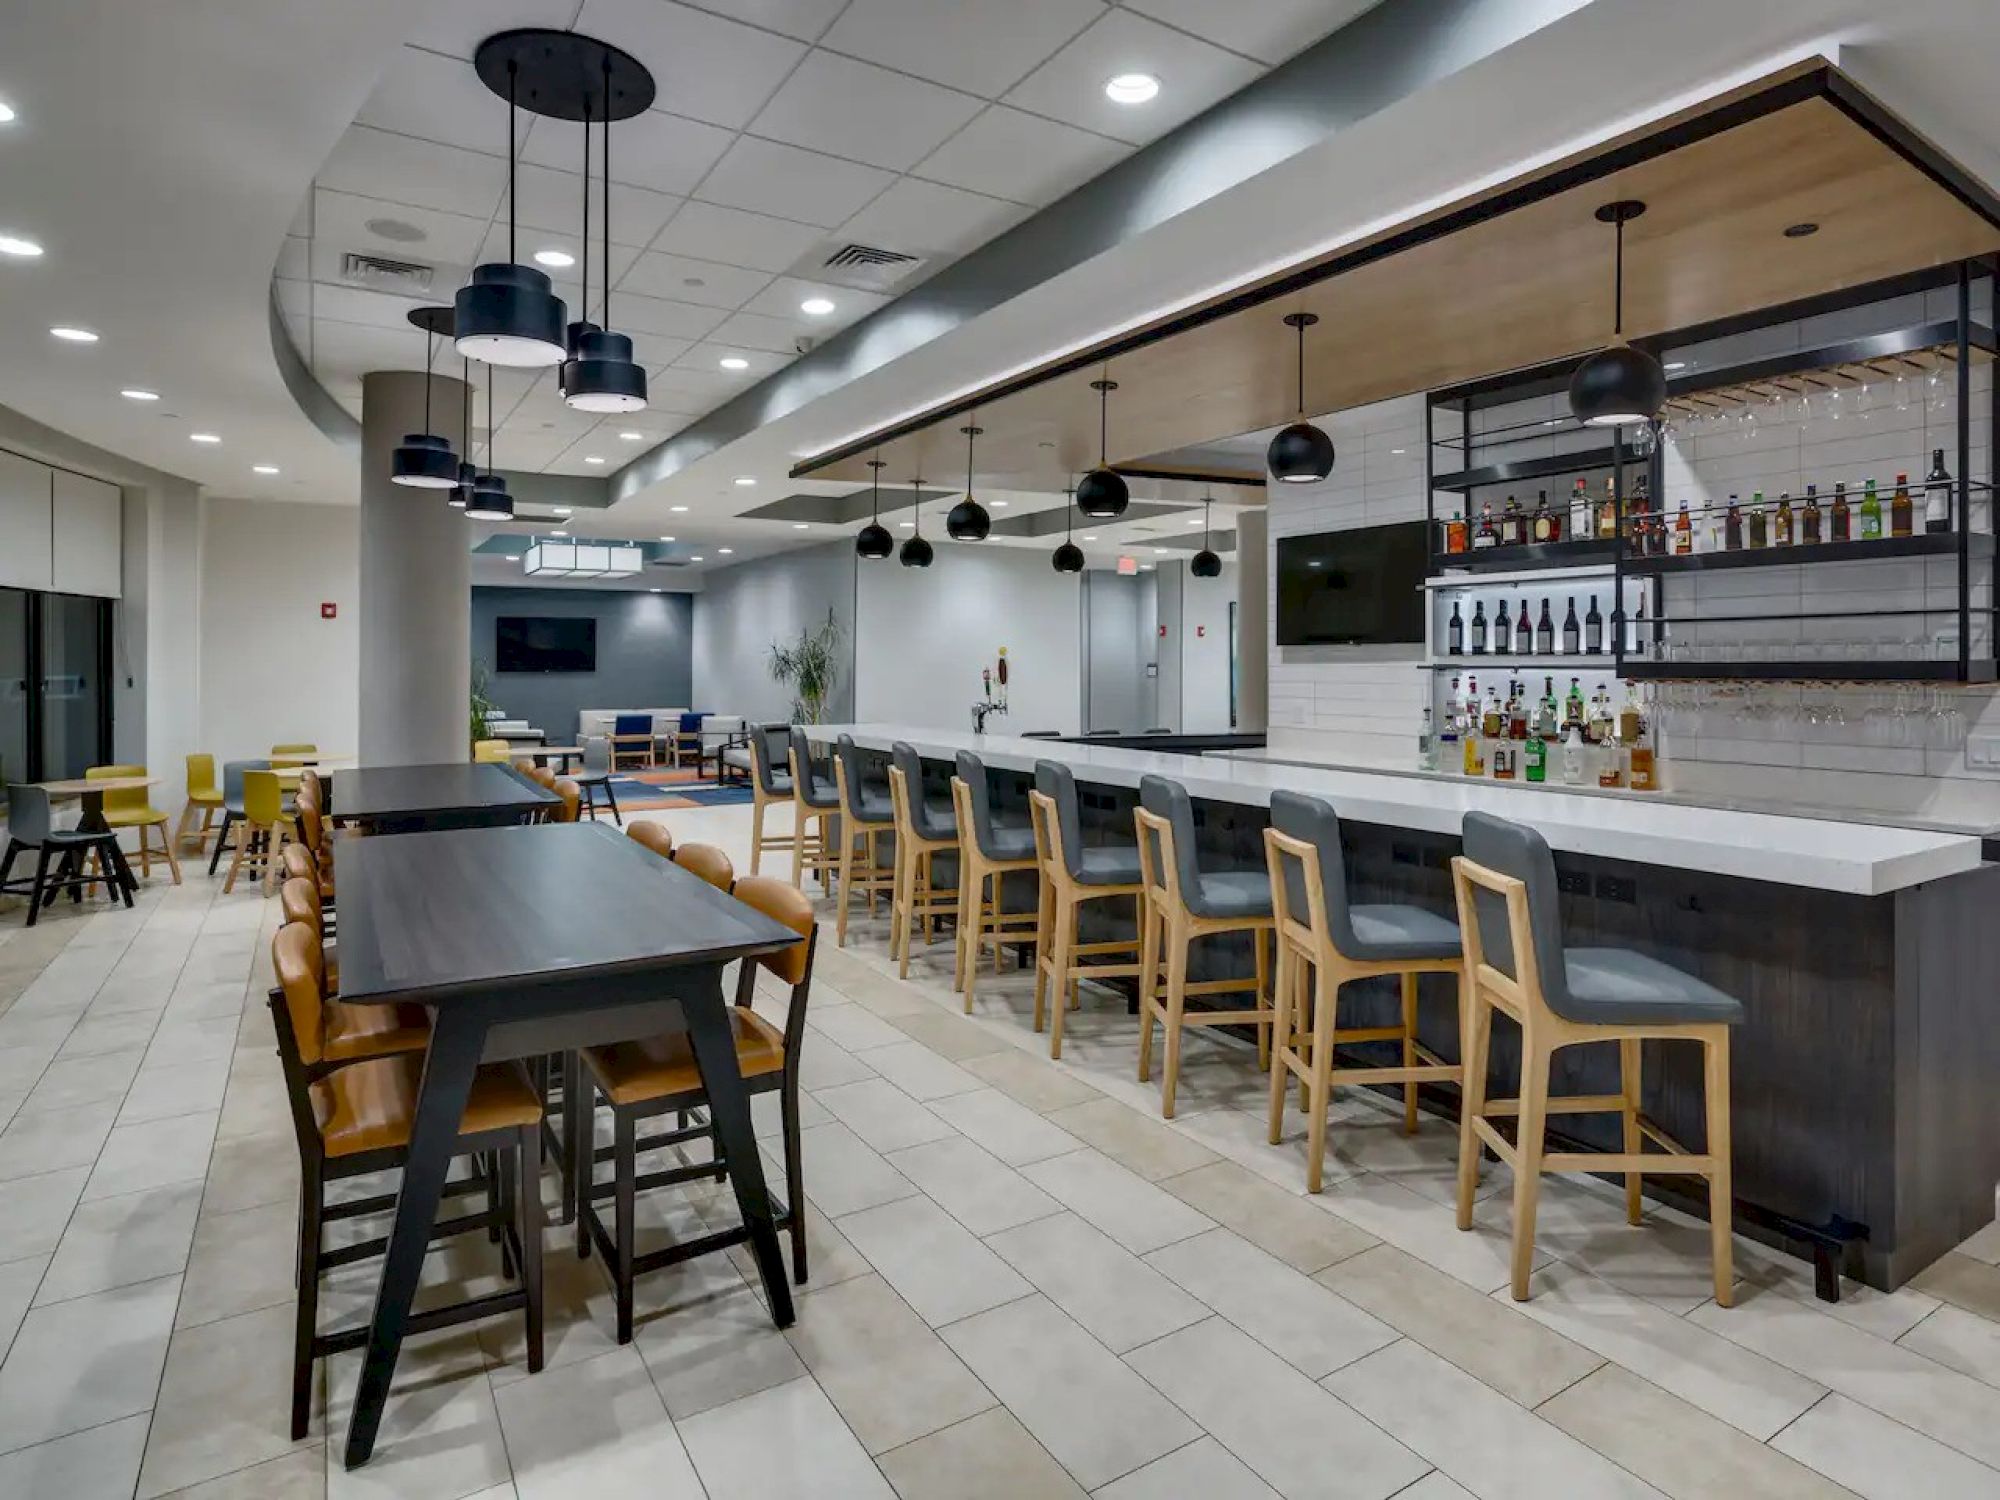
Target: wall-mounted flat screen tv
point(541, 643)
point(1346, 588)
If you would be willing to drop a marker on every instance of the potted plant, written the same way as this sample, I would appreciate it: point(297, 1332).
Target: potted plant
point(808, 666)
point(482, 704)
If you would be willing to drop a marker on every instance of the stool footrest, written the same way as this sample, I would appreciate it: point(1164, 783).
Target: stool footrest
point(1572, 1104)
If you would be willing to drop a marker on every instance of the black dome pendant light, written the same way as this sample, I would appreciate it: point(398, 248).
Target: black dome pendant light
point(424, 460)
point(873, 540)
point(1205, 564)
point(916, 551)
point(1068, 558)
point(1620, 385)
point(1102, 494)
point(600, 374)
point(968, 521)
point(461, 494)
point(490, 500)
point(1301, 453)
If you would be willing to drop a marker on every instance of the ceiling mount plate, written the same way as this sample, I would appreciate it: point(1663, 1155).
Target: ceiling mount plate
point(438, 320)
point(563, 75)
point(1301, 319)
point(1623, 211)
point(1104, 385)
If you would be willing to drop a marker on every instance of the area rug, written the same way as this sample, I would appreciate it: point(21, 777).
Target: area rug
point(649, 791)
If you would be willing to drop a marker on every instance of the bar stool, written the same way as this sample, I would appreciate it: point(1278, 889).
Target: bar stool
point(865, 817)
point(1182, 903)
point(993, 851)
point(1323, 943)
point(1515, 962)
point(1072, 875)
point(771, 787)
point(923, 832)
point(813, 801)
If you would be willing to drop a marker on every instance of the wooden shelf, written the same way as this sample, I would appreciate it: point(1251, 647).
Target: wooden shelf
point(1922, 545)
point(1581, 461)
point(1528, 557)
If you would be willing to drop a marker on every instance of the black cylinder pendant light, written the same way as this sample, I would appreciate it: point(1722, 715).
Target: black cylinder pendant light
point(1068, 558)
point(1300, 453)
point(873, 540)
point(916, 552)
point(490, 500)
point(1205, 564)
point(600, 374)
point(461, 494)
point(968, 521)
point(1619, 385)
point(424, 460)
point(1102, 494)
point(508, 314)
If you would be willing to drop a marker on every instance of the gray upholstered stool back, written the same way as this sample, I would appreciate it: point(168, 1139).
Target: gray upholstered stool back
point(972, 771)
point(813, 791)
point(1054, 781)
point(1517, 850)
point(1169, 799)
point(767, 748)
point(1312, 820)
point(929, 824)
point(596, 755)
point(28, 820)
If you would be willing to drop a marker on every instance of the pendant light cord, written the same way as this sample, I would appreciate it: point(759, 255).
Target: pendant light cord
point(604, 239)
point(491, 376)
point(1069, 514)
point(1618, 284)
point(916, 507)
point(968, 465)
point(512, 72)
point(465, 407)
point(430, 347)
point(1104, 427)
point(875, 503)
point(1206, 501)
point(1302, 369)
point(586, 210)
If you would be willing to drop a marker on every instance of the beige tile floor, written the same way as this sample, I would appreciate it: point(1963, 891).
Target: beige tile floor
point(1024, 1284)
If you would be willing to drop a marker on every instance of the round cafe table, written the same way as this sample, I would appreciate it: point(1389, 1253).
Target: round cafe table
point(90, 792)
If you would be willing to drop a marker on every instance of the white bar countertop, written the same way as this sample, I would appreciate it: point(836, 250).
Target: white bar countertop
point(1864, 859)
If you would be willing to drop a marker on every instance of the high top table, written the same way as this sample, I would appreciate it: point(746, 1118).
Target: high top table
point(524, 941)
point(400, 799)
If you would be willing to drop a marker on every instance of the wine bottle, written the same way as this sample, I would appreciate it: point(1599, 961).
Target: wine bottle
point(1732, 526)
point(1479, 627)
point(1524, 632)
point(1937, 495)
point(1570, 629)
point(1811, 517)
point(1900, 517)
point(1503, 632)
point(1842, 520)
point(1455, 632)
point(1593, 630)
point(1545, 632)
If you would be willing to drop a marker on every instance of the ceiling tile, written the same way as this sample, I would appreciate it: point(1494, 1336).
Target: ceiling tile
point(553, 200)
point(766, 177)
point(709, 231)
point(751, 331)
point(782, 297)
point(707, 67)
point(658, 275)
point(654, 315)
point(706, 358)
point(353, 349)
point(1010, 154)
point(804, 19)
point(1270, 30)
point(569, 279)
point(459, 26)
point(530, 451)
point(862, 112)
point(438, 98)
point(344, 220)
point(353, 304)
point(982, 46)
point(660, 151)
point(694, 389)
point(916, 217)
point(1193, 75)
point(405, 170)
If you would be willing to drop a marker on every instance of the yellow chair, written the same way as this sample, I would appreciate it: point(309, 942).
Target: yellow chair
point(305, 749)
point(130, 809)
point(203, 793)
point(492, 752)
point(266, 826)
point(291, 757)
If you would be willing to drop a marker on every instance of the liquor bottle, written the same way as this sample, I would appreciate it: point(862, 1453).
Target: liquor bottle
point(1542, 527)
point(1573, 706)
point(1593, 630)
point(1570, 629)
point(1556, 527)
point(1535, 760)
point(1757, 526)
point(1871, 512)
point(1607, 513)
point(1517, 712)
point(1547, 722)
point(1456, 533)
point(1449, 729)
point(1841, 522)
point(1937, 495)
point(1573, 757)
point(1479, 627)
point(1639, 514)
point(1810, 528)
point(1485, 536)
point(1454, 634)
point(1473, 747)
point(1638, 740)
point(1580, 526)
point(1513, 525)
point(1781, 524)
point(1900, 517)
point(1683, 532)
point(1629, 716)
point(1492, 720)
point(1597, 718)
point(1524, 632)
point(1427, 749)
point(1503, 633)
point(1545, 632)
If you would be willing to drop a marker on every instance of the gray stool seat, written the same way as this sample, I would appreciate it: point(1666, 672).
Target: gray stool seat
point(1387, 933)
point(870, 808)
point(1005, 841)
point(1105, 866)
point(1231, 893)
point(781, 783)
point(812, 790)
point(1617, 985)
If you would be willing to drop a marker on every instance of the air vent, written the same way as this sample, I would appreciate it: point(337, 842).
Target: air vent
point(385, 273)
point(870, 268)
point(868, 255)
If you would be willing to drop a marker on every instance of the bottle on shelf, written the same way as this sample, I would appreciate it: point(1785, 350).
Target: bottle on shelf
point(1479, 627)
point(1541, 528)
point(1545, 632)
point(1485, 536)
point(1570, 629)
point(1758, 529)
point(1503, 632)
point(1840, 522)
point(1715, 524)
point(1596, 718)
point(1449, 728)
point(1645, 769)
point(1535, 759)
point(1517, 712)
point(1619, 642)
point(1809, 522)
point(1580, 527)
point(1732, 526)
point(1524, 633)
point(1683, 532)
point(1900, 512)
point(1781, 523)
point(1473, 746)
point(1607, 513)
point(1593, 630)
point(1427, 748)
point(1454, 634)
point(1574, 755)
point(1937, 495)
point(1457, 532)
point(1492, 718)
point(1573, 706)
point(1871, 512)
point(1513, 525)
point(1629, 715)
point(1639, 517)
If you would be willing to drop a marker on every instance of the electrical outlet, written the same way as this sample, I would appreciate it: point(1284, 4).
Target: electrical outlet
point(1982, 752)
point(1573, 882)
point(1403, 854)
point(1616, 888)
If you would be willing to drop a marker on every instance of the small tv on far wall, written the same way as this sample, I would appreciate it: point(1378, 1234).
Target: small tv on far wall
point(1349, 588)
point(541, 643)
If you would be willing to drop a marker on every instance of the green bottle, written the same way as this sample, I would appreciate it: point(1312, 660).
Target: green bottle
point(1538, 758)
point(1871, 512)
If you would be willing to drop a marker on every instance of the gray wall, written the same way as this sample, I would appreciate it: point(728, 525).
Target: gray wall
point(742, 610)
point(644, 644)
point(1121, 618)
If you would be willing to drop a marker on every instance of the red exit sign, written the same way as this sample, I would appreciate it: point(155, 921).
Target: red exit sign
point(1128, 565)
point(328, 610)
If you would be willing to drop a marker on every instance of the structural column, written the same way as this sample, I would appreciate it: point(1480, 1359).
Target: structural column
point(1253, 620)
point(416, 587)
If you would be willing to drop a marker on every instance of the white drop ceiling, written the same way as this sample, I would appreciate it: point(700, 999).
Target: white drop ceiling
point(783, 130)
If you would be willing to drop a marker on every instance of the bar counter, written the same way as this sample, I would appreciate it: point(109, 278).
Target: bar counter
point(1864, 953)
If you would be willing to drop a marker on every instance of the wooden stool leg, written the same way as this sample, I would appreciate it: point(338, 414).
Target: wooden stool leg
point(965, 920)
point(1409, 1052)
point(1325, 1002)
point(846, 884)
point(1478, 1028)
point(181, 828)
point(1715, 1084)
point(902, 907)
point(173, 861)
point(1044, 943)
point(1628, 1088)
point(244, 833)
point(1149, 959)
point(757, 806)
point(873, 856)
point(1061, 979)
point(1528, 1145)
point(528, 1206)
point(1263, 967)
point(1281, 1037)
point(1170, 1073)
point(145, 855)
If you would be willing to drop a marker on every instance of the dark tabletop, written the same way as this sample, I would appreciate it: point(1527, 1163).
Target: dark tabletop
point(408, 791)
point(431, 916)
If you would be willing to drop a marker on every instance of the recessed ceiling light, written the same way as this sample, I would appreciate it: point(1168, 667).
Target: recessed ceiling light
point(6, 113)
point(562, 510)
point(725, 551)
point(263, 468)
point(592, 458)
point(697, 559)
point(71, 335)
point(817, 307)
point(1398, 450)
point(139, 393)
point(559, 531)
point(1089, 538)
point(203, 437)
point(1131, 88)
point(666, 539)
point(735, 362)
point(800, 525)
point(1194, 523)
point(677, 509)
point(1159, 552)
point(15, 245)
point(1675, 364)
point(511, 558)
point(653, 591)
point(906, 525)
point(744, 481)
point(633, 437)
point(555, 259)
point(1002, 504)
point(1145, 567)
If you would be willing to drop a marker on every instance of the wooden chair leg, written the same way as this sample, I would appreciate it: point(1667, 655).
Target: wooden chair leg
point(1478, 1029)
point(1628, 1089)
point(1263, 996)
point(624, 1159)
point(306, 1317)
point(1409, 1051)
point(1044, 946)
point(1281, 1037)
point(145, 855)
point(757, 805)
point(968, 927)
point(1319, 1098)
point(1528, 1147)
point(795, 1176)
point(846, 884)
point(181, 828)
point(1062, 946)
point(1170, 1074)
point(1149, 953)
point(902, 908)
point(173, 861)
point(1715, 1085)
point(528, 1191)
point(244, 834)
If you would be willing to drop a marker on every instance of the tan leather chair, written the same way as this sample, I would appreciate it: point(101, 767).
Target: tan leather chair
point(572, 801)
point(654, 836)
point(707, 861)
